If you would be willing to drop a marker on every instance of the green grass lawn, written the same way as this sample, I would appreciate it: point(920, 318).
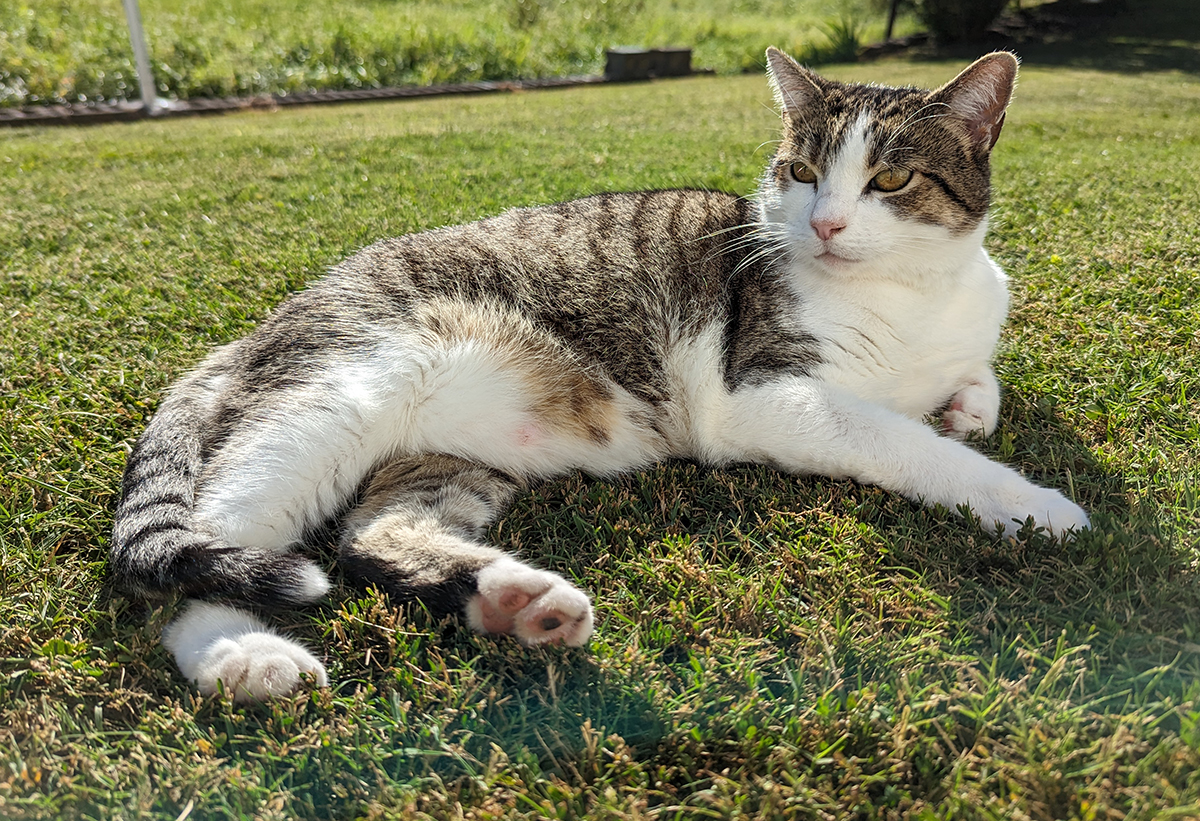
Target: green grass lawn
point(766, 646)
point(78, 50)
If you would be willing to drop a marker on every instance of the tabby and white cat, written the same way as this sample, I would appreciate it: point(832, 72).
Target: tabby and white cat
point(417, 387)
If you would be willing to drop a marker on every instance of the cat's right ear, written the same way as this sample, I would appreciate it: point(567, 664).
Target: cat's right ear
point(978, 97)
point(795, 87)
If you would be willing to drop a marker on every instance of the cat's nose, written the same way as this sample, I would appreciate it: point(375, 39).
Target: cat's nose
point(826, 228)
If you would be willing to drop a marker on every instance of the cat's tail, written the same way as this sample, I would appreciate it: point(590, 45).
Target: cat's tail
point(156, 547)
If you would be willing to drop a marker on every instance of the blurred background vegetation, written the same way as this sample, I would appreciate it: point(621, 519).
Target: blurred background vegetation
point(71, 51)
point(78, 51)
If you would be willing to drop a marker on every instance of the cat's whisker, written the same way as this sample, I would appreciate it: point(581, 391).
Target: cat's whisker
point(911, 120)
point(720, 231)
point(887, 151)
point(764, 252)
point(760, 246)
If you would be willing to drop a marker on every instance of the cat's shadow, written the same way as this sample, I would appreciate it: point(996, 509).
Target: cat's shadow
point(596, 530)
point(636, 541)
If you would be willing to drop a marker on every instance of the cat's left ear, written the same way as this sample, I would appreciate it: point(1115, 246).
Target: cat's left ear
point(980, 95)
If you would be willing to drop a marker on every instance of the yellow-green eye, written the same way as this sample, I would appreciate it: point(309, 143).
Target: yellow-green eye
point(891, 179)
point(802, 173)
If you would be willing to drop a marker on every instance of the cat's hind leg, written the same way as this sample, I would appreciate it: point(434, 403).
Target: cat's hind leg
point(415, 533)
point(218, 646)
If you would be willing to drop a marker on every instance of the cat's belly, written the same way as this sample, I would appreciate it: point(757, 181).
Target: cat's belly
point(530, 421)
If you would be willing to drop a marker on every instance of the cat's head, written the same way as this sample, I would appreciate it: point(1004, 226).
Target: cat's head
point(883, 182)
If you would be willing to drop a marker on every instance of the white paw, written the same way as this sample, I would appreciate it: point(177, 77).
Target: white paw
point(257, 666)
point(221, 647)
point(537, 606)
point(973, 410)
point(1049, 508)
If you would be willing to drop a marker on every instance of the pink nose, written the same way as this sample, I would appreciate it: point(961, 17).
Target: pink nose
point(826, 228)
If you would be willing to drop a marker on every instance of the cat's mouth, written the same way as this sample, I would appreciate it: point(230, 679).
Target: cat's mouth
point(836, 260)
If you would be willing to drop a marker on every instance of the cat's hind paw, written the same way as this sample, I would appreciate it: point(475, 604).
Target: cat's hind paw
point(257, 667)
point(225, 649)
point(537, 606)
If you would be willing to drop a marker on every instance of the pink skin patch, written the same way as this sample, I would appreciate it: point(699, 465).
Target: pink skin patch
point(972, 412)
point(498, 617)
point(955, 406)
point(529, 434)
point(539, 624)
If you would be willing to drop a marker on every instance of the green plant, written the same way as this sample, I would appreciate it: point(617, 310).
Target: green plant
point(843, 41)
point(58, 51)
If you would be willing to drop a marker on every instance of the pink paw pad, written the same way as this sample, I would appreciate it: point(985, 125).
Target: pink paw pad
point(536, 606)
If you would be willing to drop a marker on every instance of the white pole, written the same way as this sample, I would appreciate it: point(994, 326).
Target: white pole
point(140, 54)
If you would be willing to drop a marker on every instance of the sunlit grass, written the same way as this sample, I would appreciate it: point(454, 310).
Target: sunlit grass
point(768, 646)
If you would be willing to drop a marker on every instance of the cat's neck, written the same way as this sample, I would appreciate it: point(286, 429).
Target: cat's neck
point(900, 340)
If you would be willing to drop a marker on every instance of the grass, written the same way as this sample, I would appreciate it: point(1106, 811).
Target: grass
point(78, 50)
point(766, 646)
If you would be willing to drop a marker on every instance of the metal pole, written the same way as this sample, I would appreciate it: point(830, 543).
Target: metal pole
point(141, 55)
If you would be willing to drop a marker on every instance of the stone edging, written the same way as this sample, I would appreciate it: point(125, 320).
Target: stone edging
point(88, 113)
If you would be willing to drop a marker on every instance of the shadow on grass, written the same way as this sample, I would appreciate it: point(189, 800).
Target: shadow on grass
point(1125, 36)
point(657, 548)
point(1125, 582)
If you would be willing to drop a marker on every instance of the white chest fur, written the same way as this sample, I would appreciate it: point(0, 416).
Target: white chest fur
point(907, 347)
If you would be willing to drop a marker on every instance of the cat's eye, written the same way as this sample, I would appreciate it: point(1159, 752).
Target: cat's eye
point(891, 179)
point(802, 173)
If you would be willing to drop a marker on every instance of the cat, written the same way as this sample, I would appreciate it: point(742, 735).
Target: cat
point(425, 380)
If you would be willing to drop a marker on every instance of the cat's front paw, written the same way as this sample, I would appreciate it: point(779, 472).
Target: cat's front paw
point(537, 606)
point(973, 410)
point(1050, 510)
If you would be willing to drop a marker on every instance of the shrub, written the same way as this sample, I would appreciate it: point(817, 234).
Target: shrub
point(953, 21)
point(844, 36)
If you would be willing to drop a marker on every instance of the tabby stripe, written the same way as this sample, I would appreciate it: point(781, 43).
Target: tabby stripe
point(151, 529)
point(598, 240)
point(673, 230)
point(640, 240)
point(156, 456)
point(130, 508)
point(950, 192)
point(523, 221)
point(133, 484)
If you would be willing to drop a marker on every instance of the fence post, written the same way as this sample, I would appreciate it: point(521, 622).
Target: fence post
point(141, 56)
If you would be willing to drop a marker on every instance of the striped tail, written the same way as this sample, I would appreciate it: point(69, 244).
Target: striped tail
point(156, 550)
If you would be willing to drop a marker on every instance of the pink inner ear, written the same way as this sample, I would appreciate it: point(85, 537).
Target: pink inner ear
point(981, 106)
point(991, 132)
point(979, 96)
